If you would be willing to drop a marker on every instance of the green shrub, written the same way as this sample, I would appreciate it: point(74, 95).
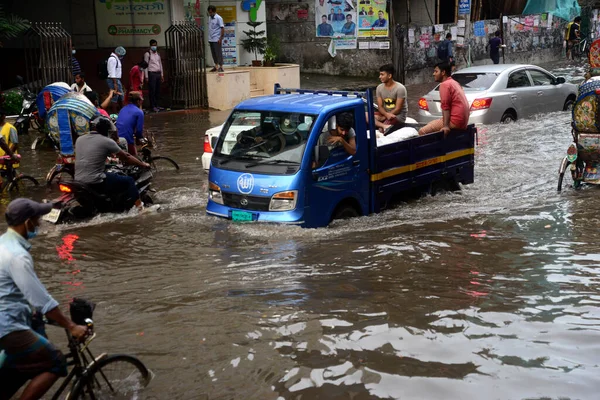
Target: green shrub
point(13, 101)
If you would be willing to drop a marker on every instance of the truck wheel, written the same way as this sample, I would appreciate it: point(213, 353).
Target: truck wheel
point(345, 212)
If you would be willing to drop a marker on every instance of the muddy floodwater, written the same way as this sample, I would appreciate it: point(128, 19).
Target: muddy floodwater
point(490, 293)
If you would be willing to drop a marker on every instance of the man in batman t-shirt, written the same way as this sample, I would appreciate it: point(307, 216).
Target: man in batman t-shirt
point(391, 101)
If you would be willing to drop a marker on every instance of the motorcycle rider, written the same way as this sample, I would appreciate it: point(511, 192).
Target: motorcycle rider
point(130, 123)
point(90, 162)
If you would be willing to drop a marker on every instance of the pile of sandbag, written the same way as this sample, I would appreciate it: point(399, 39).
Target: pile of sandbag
point(397, 136)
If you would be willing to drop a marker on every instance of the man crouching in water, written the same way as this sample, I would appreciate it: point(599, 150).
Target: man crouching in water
point(90, 163)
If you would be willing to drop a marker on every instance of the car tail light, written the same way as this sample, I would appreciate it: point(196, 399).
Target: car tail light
point(481, 104)
point(207, 148)
point(423, 104)
point(64, 188)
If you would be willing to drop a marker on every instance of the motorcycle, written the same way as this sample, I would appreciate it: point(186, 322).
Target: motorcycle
point(28, 111)
point(80, 202)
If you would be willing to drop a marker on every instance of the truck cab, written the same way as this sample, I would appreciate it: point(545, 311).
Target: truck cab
point(283, 169)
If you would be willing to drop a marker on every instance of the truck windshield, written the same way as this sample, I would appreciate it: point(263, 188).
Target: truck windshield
point(265, 137)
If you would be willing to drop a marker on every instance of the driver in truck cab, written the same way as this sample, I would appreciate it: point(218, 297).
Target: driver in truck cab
point(343, 135)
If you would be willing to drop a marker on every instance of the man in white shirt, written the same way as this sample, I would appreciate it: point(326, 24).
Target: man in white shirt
point(80, 86)
point(153, 75)
point(216, 30)
point(115, 71)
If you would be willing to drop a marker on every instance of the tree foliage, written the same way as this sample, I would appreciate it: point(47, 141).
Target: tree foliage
point(11, 26)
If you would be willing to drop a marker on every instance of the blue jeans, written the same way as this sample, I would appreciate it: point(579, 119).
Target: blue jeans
point(117, 88)
point(119, 184)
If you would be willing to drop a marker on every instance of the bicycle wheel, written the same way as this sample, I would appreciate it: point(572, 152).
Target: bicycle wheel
point(114, 377)
point(162, 164)
point(22, 183)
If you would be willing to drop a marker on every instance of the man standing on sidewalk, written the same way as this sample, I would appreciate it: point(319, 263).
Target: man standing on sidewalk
point(153, 75)
point(216, 30)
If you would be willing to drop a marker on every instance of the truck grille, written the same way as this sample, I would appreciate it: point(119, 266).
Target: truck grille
point(255, 203)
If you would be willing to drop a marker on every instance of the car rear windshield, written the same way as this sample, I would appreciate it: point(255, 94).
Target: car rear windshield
point(475, 81)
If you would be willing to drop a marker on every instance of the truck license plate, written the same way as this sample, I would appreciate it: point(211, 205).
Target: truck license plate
point(52, 216)
point(242, 216)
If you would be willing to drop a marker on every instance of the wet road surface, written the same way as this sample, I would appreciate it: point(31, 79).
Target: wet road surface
point(491, 293)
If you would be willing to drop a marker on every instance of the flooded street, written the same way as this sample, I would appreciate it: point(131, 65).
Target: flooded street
point(490, 293)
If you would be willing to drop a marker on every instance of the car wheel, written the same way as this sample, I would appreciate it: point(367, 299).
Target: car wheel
point(508, 117)
point(568, 105)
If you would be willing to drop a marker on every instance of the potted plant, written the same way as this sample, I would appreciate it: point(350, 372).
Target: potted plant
point(255, 42)
point(271, 51)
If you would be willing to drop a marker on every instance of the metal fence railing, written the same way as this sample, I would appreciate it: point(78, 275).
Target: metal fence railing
point(185, 53)
point(47, 54)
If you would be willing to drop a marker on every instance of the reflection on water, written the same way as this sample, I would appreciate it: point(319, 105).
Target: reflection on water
point(487, 293)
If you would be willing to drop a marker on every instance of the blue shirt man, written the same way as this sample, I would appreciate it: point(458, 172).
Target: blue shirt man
point(349, 27)
point(381, 22)
point(130, 123)
point(494, 45)
point(28, 354)
point(324, 29)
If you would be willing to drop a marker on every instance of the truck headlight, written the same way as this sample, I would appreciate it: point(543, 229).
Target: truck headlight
point(284, 201)
point(214, 193)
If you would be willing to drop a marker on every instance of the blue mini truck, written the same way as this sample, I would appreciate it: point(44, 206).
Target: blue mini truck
point(272, 161)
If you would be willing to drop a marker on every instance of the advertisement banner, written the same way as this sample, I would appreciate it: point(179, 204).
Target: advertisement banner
point(335, 18)
point(373, 19)
point(131, 23)
point(229, 44)
point(345, 43)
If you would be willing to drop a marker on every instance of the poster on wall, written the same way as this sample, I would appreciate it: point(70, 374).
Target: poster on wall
point(229, 44)
point(335, 18)
point(128, 24)
point(373, 20)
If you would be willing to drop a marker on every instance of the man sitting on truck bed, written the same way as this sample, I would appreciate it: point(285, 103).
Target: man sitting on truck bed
point(391, 101)
point(343, 135)
point(455, 107)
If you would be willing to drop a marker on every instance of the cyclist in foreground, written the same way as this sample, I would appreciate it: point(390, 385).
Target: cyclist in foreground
point(29, 354)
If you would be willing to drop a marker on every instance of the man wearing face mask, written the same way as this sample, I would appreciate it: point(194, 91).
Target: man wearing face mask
point(29, 354)
point(153, 75)
point(115, 72)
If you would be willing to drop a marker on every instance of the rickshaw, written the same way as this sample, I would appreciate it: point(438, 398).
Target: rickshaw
point(583, 155)
point(67, 119)
point(44, 101)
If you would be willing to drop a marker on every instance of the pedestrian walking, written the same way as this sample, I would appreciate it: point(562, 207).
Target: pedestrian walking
point(115, 72)
point(572, 35)
point(74, 63)
point(494, 45)
point(216, 30)
point(153, 74)
point(444, 50)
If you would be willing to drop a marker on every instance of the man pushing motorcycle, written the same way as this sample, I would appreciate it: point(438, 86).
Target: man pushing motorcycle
point(90, 163)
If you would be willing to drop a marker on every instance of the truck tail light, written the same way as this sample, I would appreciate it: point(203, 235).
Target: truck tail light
point(207, 148)
point(423, 104)
point(214, 193)
point(284, 201)
point(481, 104)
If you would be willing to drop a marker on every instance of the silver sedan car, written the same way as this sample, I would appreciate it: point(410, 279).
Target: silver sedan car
point(504, 93)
